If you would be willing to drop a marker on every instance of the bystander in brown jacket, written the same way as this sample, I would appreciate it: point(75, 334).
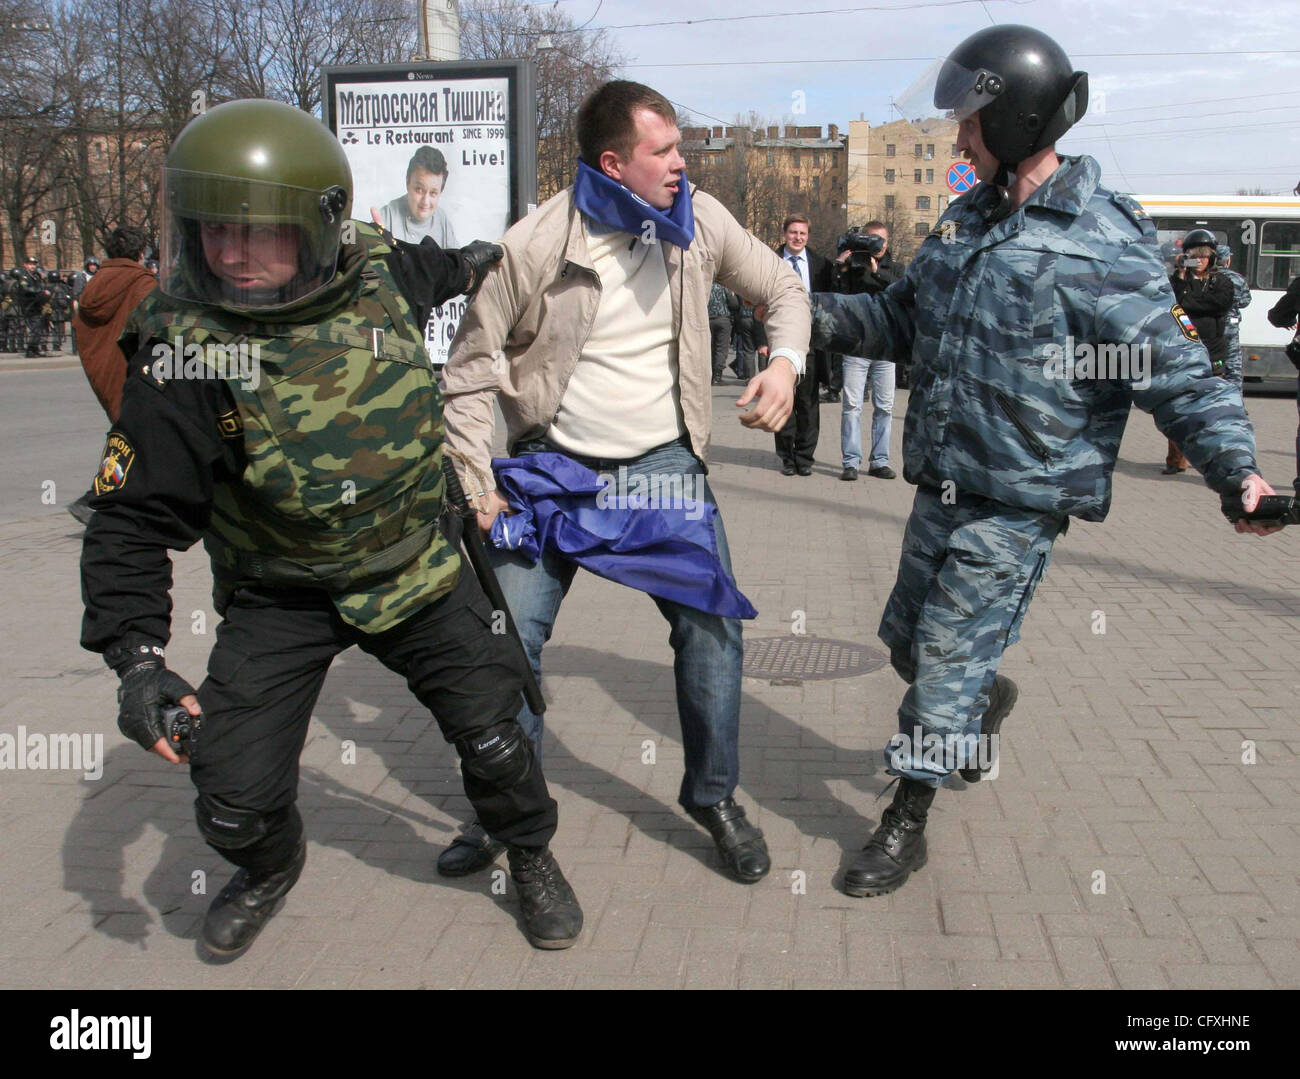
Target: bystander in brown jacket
point(108, 298)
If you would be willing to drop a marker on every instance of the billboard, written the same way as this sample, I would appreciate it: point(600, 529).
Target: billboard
point(446, 150)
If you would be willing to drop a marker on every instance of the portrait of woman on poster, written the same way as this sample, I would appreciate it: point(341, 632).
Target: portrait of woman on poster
point(417, 213)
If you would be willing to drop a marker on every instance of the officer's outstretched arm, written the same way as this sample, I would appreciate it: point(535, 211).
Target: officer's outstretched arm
point(152, 492)
point(1168, 371)
point(429, 275)
point(880, 326)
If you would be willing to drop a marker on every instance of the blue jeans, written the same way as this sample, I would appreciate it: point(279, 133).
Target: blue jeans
point(707, 649)
point(857, 373)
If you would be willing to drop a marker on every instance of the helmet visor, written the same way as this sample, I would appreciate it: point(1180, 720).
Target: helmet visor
point(245, 245)
point(960, 92)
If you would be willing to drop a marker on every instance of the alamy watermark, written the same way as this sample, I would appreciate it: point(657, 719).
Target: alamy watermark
point(1084, 360)
point(210, 360)
point(37, 752)
point(652, 491)
point(113, 1032)
point(936, 752)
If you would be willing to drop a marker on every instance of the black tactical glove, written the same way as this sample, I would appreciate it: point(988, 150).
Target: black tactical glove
point(147, 687)
point(480, 256)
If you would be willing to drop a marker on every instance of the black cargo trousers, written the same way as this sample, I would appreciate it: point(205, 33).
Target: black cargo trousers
point(273, 649)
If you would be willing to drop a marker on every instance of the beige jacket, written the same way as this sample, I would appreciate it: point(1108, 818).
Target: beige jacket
point(524, 332)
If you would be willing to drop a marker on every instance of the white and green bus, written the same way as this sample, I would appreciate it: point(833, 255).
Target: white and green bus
point(1263, 233)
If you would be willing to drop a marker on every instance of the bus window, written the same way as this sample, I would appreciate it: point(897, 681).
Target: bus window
point(1279, 254)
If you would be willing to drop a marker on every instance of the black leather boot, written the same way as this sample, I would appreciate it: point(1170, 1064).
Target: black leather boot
point(898, 845)
point(1002, 698)
point(741, 844)
point(246, 904)
point(469, 852)
point(552, 917)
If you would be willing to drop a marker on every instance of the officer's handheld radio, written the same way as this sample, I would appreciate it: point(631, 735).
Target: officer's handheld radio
point(1273, 510)
point(472, 539)
point(181, 728)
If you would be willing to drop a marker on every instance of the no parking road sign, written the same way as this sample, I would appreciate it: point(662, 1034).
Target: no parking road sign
point(961, 177)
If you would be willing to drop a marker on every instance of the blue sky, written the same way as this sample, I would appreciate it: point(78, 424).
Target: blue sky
point(1177, 106)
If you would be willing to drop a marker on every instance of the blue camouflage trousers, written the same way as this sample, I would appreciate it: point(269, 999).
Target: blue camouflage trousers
point(1232, 367)
point(967, 572)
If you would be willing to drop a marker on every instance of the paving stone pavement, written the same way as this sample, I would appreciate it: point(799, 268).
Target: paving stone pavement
point(1124, 844)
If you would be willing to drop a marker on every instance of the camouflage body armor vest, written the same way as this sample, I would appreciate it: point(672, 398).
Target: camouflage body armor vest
point(342, 426)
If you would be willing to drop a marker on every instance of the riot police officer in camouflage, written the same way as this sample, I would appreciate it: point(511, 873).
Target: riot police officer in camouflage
point(280, 405)
point(1036, 313)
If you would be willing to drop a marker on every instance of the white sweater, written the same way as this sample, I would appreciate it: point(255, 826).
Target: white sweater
point(622, 398)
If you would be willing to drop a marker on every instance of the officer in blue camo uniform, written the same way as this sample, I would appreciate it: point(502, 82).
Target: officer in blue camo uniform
point(1004, 440)
point(1232, 368)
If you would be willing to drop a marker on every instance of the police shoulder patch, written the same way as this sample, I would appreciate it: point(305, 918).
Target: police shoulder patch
point(1185, 323)
point(119, 456)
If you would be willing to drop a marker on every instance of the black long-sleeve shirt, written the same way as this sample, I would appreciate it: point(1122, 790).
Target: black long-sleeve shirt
point(1207, 301)
point(184, 438)
point(1286, 311)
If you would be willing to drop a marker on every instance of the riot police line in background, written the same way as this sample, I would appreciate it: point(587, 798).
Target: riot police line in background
point(36, 306)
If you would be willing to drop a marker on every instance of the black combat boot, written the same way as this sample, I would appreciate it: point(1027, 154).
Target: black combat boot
point(80, 509)
point(552, 917)
point(741, 844)
point(246, 904)
point(469, 852)
point(898, 846)
point(1002, 698)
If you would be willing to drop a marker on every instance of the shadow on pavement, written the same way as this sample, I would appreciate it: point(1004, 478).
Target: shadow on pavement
point(96, 841)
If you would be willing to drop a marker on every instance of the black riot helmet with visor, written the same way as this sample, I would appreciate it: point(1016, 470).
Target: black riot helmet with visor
point(1202, 239)
point(1022, 85)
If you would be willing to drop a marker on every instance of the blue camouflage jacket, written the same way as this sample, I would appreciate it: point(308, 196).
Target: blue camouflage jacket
point(1241, 296)
point(1029, 339)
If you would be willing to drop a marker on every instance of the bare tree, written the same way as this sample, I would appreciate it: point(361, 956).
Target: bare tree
point(568, 67)
point(751, 180)
point(31, 107)
point(279, 46)
point(90, 103)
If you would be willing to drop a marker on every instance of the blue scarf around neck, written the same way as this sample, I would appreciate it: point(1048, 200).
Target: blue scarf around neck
point(614, 206)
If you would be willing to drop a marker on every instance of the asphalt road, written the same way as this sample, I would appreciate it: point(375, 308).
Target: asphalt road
point(53, 430)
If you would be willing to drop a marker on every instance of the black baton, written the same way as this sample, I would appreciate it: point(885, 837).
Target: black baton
point(472, 539)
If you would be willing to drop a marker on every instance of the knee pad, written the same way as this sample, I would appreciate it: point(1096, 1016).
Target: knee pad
point(229, 828)
point(502, 755)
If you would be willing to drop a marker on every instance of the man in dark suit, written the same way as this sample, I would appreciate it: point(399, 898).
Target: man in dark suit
point(796, 442)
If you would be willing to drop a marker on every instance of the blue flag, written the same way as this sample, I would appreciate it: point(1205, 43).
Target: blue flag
point(669, 551)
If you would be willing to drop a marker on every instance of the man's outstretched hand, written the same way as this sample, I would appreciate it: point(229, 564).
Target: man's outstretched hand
point(1252, 487)
point(773, 391)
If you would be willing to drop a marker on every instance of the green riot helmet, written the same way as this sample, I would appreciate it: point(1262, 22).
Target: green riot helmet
point(255, 194)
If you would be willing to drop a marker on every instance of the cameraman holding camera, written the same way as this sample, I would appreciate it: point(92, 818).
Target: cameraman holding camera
point(865, 266)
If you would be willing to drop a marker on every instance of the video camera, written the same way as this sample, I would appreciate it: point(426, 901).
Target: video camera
point(1273, 510)
point(864, 245)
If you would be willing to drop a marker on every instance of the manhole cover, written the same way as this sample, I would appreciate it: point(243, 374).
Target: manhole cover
point(809, 658)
